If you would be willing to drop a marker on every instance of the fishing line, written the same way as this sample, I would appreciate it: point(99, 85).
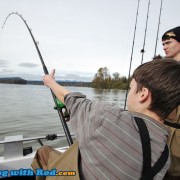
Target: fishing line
point(49, 62)
point(59, 106)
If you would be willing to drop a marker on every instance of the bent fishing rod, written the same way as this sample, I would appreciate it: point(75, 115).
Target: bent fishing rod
point(60, 107)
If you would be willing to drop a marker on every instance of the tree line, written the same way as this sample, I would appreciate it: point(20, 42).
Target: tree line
point(102, 79)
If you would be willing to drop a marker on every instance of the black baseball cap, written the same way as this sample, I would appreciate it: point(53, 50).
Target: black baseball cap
point(172, 33)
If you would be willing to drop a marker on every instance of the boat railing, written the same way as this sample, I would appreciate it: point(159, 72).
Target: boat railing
point(50, 137)
point(13, 145)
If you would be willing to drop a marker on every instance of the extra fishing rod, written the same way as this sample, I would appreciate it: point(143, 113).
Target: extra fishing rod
point(132, 54)
point(142, 50)
point(158, 28)
point(59, 105)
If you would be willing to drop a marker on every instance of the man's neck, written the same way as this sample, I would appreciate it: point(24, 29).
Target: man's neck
point(155, 117)
point(177, 58)
point(152, 115)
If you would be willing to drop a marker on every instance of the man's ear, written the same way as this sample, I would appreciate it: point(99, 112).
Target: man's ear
point(144, 95)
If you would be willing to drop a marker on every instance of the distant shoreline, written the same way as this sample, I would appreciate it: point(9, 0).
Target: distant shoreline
point(18, 80)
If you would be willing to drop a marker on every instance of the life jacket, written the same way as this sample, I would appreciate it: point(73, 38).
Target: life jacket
point(173, 125)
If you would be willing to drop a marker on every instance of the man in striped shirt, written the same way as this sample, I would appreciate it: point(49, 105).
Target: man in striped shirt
point(108, 137)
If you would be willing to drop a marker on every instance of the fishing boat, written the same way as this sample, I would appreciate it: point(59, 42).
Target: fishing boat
point(16, 157)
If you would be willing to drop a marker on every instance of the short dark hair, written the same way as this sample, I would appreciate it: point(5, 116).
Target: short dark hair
point(162, 79)
point(157, 57)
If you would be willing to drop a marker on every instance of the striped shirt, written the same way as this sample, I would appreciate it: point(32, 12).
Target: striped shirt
point(109, 139)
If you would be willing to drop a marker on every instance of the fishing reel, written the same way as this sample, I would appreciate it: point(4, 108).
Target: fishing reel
point(62, 107)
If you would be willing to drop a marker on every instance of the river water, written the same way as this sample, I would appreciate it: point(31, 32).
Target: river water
point(28, 110)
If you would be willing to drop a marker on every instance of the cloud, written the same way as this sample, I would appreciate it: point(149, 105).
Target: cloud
point(28, 65)
point(4, 63)
point(6, 71)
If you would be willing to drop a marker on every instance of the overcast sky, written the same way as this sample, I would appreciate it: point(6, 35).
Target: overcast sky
point(77, 37)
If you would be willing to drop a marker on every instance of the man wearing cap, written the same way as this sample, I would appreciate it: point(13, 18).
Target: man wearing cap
point(171, 43)
point(171, 47)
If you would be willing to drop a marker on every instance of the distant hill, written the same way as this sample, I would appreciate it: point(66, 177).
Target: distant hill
point(18, 80)
point(13, 80)
point(64, 83)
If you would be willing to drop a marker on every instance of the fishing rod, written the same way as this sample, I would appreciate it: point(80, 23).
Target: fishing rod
point(131, 54)
point(142, 50)
point(158, 28)
point(60, 107)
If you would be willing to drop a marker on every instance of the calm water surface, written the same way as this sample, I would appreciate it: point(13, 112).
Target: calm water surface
point(29, 110)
